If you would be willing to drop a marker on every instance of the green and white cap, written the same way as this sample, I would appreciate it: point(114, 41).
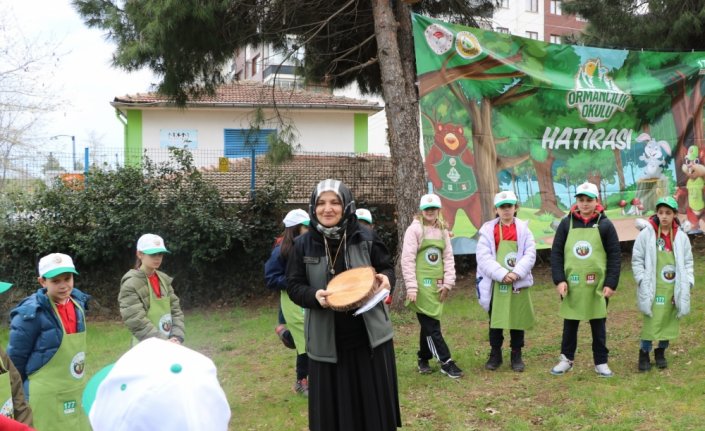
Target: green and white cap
point(502, 198)
point(364, 215)
point(429, 201)
point(5, 286)
point(54, 264)
point(151, 244)
point(668, 201)
point(587, 189)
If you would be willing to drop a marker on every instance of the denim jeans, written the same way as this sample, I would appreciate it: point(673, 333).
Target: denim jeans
point(647, 344)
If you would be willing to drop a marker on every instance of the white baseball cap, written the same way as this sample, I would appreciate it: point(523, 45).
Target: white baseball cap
point(158, 386)
point(150, 243)
point(296, 217)
point(429, 201)
point(507, 197)
point(54, 264)
point(363, 214)
point(587, 189)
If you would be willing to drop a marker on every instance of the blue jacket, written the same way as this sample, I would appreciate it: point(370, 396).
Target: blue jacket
point(275, 270)
point(36, 332)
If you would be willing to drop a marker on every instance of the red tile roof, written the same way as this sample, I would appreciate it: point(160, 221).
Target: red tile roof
point(248, 94)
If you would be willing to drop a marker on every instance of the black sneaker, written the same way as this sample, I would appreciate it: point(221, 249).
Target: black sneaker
point(644, 361)
point(516, 361)
point(495, 359)
point(660, 358)
point(424, 368)
point(451, 370)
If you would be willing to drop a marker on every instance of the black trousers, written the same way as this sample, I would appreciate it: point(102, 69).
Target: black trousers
point(301, 366)
point(516, 336)
point(431, 342)
point(599, 339)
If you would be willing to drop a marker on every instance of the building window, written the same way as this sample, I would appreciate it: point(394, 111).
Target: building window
point(242, 142)
point(504, 4)
point(255, 65)
point(532, 35)
point(532, 5)
point(555, 39)
point(556, 7)
point(504, 30)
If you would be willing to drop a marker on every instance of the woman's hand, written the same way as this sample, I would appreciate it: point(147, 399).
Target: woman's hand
point(321, 296)
point(383, 281)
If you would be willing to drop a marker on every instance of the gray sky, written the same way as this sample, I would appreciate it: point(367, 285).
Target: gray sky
point(84, 75)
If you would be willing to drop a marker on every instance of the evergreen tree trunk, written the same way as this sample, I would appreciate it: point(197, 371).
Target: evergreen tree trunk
point(402, 108)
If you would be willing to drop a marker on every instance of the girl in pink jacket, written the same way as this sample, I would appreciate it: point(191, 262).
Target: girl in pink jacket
point(505, 255)
point(428, 267)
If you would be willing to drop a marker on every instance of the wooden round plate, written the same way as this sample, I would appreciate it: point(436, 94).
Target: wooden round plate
point(352, 288)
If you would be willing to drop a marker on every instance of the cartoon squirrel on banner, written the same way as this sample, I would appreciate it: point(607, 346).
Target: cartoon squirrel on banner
point(694, 188)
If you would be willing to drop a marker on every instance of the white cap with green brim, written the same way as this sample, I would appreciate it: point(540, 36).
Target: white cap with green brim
point(151, 244)
point(429, 201)
point(364, 215)
point(54, 264)
point(502, 198)
point(587, 189)
point(5, 286)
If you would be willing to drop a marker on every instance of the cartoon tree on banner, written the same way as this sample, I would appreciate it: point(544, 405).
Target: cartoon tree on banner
point(496, 73)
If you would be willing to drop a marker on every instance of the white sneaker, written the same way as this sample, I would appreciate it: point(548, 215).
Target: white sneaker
point(564, 365)
point(603, 370)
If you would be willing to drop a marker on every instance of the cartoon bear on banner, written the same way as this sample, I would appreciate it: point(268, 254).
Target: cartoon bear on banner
point(450, 165)
point(694, 188)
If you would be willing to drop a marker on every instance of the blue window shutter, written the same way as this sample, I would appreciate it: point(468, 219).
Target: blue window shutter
point(239, 142)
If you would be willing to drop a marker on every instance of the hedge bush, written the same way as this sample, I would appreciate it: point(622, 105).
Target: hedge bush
point(217, 249)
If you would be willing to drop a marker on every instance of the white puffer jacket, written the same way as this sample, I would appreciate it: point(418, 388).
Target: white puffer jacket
point(644, 269)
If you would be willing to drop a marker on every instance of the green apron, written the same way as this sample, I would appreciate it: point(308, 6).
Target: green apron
point(663, 323)
point(7, 408)
point(429, 277)
point(55, 389)
point(159, 312)
point(511, 309)
point(294, 316)
point(585, 266)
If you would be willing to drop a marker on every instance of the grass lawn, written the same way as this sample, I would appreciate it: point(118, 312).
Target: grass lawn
point(257, 372)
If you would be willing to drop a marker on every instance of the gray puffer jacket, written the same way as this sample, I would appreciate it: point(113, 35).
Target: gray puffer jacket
point(644, 268)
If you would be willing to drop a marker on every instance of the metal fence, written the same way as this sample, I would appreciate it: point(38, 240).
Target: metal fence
point(368, 175)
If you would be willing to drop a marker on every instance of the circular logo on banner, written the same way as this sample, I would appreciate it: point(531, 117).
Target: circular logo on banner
point(439, 39)
point(582, 249)
point(668, 274)
point(165, 324)
point(7, 409)
point(433, 255)
point(510, 260)
point(78, 363)
point(467, 45)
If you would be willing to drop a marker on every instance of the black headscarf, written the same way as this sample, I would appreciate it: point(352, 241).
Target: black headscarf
point(346, 197)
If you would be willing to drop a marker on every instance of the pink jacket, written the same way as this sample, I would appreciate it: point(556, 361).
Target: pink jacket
point(412, 240)
point(489, 270)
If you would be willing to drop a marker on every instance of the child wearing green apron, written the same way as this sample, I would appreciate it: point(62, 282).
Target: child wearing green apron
point(48, 347)
point(295, 223)
point(148, 305)
point(505, 254)
point(12, 399)
point(585, 267)
point(662, 263)
point(428, 268)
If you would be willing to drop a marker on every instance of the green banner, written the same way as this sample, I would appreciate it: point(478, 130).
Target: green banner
point(501, 112)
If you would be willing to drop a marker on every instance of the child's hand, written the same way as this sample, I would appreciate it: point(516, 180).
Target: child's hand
point(443, 293)
point(607, 291)
point(562, 289)
point(510, 278)
point(411, 297)
point(175, 340)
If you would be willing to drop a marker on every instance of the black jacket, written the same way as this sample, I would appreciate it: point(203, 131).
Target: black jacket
point(610, 242)
point(311, 244)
